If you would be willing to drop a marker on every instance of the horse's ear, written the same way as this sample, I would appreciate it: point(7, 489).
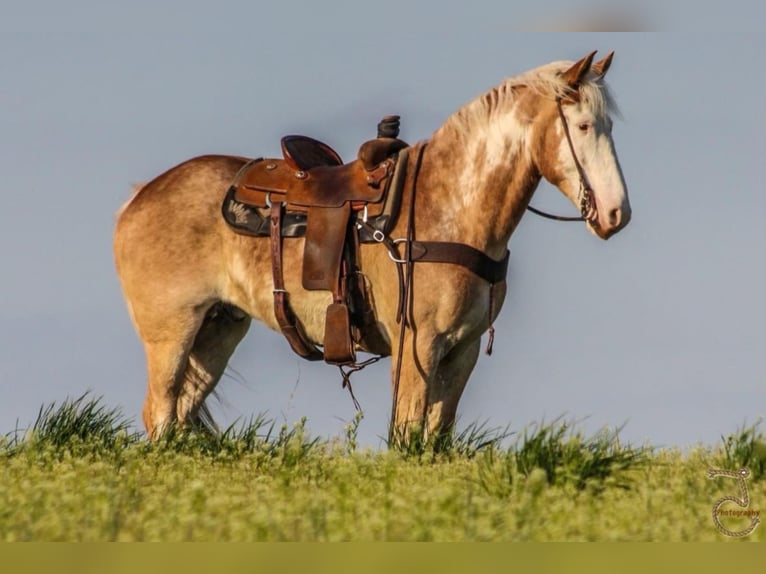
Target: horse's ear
point(576, 74)
point(602, 66)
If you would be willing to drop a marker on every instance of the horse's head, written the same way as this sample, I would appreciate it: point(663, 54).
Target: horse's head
point(578, 154)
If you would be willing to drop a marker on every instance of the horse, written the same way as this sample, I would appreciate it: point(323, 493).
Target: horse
point(193, 286)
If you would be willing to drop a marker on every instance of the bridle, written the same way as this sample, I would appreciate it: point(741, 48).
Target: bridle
point(586, 196)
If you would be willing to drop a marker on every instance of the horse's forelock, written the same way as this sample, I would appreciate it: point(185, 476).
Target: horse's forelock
point(548, 81)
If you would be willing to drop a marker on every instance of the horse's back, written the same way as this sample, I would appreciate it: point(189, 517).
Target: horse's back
point(198, 179)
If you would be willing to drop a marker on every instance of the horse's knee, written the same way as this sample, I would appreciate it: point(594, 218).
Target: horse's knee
point(451, 378)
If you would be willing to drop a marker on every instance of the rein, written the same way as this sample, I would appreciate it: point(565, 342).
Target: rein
point(586, 191)
point(552, 216)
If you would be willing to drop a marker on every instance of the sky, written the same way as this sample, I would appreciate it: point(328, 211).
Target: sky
point(661, 329)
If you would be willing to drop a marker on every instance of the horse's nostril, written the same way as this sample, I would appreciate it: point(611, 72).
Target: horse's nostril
point(614, 217)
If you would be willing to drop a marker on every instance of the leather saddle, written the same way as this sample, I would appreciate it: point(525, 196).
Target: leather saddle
point(310, 192)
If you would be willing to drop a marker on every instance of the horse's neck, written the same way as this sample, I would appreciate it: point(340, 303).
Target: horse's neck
point(476, 181)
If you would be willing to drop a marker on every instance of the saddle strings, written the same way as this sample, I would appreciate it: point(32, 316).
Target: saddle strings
point(350, 370)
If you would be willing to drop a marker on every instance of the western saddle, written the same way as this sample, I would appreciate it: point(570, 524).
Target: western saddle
point(311, 193)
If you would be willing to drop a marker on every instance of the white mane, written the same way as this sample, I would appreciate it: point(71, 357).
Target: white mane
point(545, 81)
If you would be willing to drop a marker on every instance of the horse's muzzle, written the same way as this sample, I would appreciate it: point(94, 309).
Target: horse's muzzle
point(607, 224)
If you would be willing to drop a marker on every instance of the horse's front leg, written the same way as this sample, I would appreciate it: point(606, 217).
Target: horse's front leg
point(431, 383)
point(447, 387)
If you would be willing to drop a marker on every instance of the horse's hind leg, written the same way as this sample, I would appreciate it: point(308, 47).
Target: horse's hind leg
point(166, 360)
point(222, 330)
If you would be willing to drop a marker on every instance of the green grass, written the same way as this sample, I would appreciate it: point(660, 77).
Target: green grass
point(745, 448)
point(80, 473)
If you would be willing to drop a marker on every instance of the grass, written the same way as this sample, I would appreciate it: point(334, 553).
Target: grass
point(475, 438)
point(81, 474)
point(562, 455)
point(745, 448)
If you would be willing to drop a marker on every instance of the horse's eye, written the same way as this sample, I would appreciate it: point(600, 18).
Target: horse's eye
point(583, 127)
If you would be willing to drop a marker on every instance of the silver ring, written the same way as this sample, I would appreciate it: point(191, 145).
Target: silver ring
point(397, 242)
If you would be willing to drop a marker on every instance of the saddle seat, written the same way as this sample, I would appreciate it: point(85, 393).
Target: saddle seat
point(312, 183)
point(313, 175)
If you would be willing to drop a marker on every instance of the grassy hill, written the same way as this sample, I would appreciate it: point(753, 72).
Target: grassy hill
point(82, 474)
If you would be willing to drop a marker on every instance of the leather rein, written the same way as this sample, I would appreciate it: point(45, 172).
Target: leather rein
point(586, 196)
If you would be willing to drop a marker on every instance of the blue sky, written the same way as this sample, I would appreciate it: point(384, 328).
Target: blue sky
point(662, 327)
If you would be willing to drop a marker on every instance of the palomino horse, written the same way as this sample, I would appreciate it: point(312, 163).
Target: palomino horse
point(192, 285)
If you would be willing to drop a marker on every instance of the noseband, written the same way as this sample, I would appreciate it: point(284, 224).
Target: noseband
point(587, 203)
